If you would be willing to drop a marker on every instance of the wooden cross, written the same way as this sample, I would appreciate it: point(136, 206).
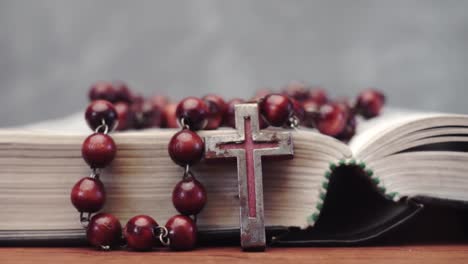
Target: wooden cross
point(248, 145)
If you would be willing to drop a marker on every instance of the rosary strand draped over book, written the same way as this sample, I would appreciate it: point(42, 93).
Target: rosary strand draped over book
point(420, 154)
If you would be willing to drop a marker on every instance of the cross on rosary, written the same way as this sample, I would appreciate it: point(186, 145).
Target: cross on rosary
point(248, 145)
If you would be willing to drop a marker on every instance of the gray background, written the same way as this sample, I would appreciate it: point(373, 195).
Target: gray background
point(51, 51)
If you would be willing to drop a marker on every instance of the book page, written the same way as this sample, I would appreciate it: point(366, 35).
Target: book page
point(370, 130)
point(74, 123)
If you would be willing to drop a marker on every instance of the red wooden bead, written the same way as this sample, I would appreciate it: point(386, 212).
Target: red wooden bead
point(139, 233)
point(189, 196)
point(297, 90)
point(344, 103)
point(229, 116)
point(137, 99)
point(102, 90)
point(194, 111)
point(88, 195)
point(311, 112)
point(217, 107)
point(146, 115)
point(186, 147)
point(349, 131)
point(276, 109)
point(331, 119)
point(261, 93)
point(104, 230)
point(182, 233)
point(318, 95)
point(124, 116)
point(101, 111)
point(169, 116)
point(122, 92)
point(159, 101)
point(98, 150)
point(298, 110)
point(370, 103)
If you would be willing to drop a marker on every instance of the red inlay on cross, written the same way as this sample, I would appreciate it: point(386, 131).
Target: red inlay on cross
point(249, 145)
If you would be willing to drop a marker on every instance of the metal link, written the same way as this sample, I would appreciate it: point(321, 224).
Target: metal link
point(294, 122)
point(183, 123)
point(104, 126)
point(187, 172)
point(84, 220)
point(162, 234)
point(105, 248)
point(96, 173)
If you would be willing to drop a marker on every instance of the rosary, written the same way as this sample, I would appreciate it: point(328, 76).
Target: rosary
point(114, 107)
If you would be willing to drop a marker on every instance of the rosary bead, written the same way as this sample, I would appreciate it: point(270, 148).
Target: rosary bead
point(311, 112)
point(261, 93)
point(318, 95)
point(139, 233)
point(102, 90)
point(122, 92)
point(349, 131)
point(345, 104)
point(124, 116)
point(101, 111)
point(331, 119)
point(298, 110)
point(217, 107)
point(104, 230)
point(186, 147)
point(182, 233)
point(370, 103)
point(169, 116)
point(189, 196)
point(137, 99)
point(194, 112)
point(276, 109)
point(98, 150)
point(297, 90)
point(88, 195)
point(229, 116)
point(146, 115)
point(159, 101)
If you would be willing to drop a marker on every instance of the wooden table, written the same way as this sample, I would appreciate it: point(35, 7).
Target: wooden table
point(407, 254)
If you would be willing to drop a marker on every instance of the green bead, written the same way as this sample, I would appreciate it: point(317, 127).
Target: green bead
point(322, 196)
point(325, 185)
point(392, 195)
point(319, 206)
point(315, 217)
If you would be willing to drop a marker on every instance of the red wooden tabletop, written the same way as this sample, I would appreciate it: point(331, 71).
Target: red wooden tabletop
point(406, 254)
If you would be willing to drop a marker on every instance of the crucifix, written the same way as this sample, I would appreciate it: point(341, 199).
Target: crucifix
point(248, 145)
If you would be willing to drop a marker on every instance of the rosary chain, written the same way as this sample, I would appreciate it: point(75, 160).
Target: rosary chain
point(162, 234)
point(104, 126)
point(84, 219)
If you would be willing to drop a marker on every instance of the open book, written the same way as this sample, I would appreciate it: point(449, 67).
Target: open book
point(404, 154)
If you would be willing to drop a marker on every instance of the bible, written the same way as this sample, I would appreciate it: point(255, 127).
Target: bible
point(401, 154)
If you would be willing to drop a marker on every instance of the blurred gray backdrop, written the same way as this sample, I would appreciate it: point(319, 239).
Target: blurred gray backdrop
point(51, 51)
